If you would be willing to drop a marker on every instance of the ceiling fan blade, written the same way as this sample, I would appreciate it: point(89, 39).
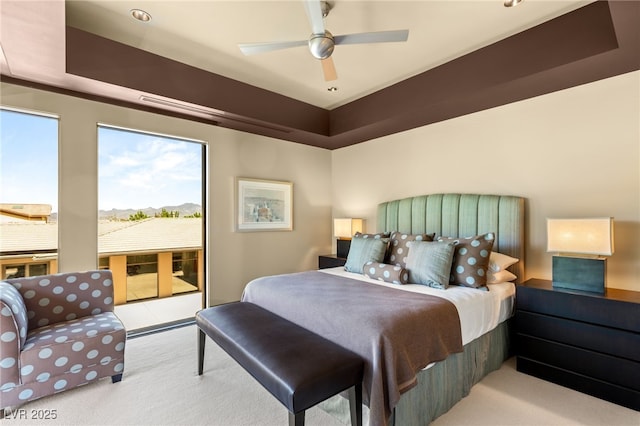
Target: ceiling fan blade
point(314, 13)
point(329, 69)
point(374, 37)
point(256, 48)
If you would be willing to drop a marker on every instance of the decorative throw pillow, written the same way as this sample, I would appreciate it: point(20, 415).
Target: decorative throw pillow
point(429, 263)
point(399, 246)
point(387, 273)
point(471, 260)
point(378, 235)
point(364, 250)
point(500, 277)
point(500, 262)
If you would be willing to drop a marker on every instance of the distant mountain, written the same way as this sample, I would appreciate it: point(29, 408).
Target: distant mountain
point(185, 209)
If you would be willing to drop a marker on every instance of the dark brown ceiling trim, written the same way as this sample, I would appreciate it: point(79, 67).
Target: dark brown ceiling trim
point(597, 41)
point(561, 42)
point(98, 58)
point(265, 129)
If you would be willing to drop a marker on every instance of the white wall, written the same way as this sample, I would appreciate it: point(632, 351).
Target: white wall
point(573, 153)
point(234, 258)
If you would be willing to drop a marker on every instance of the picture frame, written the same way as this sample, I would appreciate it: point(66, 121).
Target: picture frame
point(263, 205)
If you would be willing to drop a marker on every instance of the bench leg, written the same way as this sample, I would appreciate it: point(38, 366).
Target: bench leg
point(202, 338)
point(296, 419)
point(355, 404)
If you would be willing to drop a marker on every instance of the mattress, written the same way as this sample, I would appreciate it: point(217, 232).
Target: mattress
point(480, 311)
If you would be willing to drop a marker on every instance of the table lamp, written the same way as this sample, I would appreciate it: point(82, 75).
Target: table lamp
point(581, 245)
point(343, 230)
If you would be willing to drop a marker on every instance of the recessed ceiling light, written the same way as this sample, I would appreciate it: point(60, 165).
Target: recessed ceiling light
point(332, 89)
point(140, 15)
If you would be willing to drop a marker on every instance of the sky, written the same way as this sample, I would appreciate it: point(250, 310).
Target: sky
point(28, 159)
point(138, 170)
point(135, 170)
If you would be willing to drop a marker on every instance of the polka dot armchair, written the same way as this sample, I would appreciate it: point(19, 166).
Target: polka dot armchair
point(57, 332)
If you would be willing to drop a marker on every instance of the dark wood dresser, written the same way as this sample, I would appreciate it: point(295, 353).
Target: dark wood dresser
point(585, 341)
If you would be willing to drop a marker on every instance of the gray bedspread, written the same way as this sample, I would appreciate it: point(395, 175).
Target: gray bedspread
point(398, 333)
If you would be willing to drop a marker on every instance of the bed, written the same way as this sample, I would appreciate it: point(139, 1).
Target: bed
point(410, 383)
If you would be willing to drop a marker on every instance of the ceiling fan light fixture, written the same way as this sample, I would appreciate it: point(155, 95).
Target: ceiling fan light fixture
point(321, 45)
point(140, 15)
point(325, 6)
point(512, 3)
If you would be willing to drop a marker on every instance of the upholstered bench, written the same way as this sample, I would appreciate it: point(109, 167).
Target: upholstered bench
point(295, 365)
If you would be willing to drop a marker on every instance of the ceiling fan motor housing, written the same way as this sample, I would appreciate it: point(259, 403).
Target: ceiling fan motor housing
point(321, 45)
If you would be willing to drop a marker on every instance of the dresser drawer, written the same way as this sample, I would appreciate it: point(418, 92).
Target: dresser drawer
point(617, 394)
point(593, 309)
point(610, 341)
point(596, 365)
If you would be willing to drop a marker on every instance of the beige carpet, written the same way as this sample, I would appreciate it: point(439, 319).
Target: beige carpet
point(161, 387)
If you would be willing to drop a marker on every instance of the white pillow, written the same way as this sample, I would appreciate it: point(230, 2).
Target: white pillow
point(500, 277)
point(499, 262)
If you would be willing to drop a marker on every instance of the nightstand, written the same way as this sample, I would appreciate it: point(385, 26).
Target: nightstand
point(585, 341)
point(330, 261)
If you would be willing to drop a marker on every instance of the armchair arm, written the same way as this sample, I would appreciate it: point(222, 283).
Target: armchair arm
point(13, 333)
point(51, 299)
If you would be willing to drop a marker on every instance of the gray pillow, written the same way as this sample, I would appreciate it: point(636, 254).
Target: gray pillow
point(429, 263)
point(365, 250)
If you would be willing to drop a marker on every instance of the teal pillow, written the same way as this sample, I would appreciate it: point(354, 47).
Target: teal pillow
point(365, 250)
point(429, 263)
point(399, 245)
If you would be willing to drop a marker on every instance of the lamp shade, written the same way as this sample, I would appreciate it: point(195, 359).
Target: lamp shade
point(346, 227)
point(592, 236)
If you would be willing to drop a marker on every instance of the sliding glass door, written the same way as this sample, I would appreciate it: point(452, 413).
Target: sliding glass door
point(150, 218)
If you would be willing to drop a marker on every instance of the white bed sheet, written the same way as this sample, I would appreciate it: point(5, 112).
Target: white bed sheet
point(480, 311)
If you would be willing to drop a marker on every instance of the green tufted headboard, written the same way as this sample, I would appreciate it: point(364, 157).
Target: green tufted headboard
point(461, 215)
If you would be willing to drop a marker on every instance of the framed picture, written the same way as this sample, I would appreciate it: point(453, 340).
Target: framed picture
point(264, 205)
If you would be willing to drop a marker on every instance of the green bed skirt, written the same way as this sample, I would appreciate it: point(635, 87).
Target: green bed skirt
point(444, 384)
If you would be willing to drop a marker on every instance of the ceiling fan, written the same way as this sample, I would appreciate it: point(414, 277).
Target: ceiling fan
point(321, 42)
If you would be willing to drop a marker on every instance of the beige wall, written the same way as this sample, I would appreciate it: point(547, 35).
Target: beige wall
point(573, 153)
point(233, 258)
point(570, 153)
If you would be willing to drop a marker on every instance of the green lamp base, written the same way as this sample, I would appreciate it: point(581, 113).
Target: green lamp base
point(577, 273)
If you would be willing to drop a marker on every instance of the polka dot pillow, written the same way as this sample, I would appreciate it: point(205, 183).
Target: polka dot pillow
point(400, 244)
point(388, 273)
point(471, 260)
point(377, 236)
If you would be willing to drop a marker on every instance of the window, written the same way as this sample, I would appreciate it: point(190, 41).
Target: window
point(142, 277)
point(28, 193)
point(24, 270)
point(150, 213)
point(185, 271)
